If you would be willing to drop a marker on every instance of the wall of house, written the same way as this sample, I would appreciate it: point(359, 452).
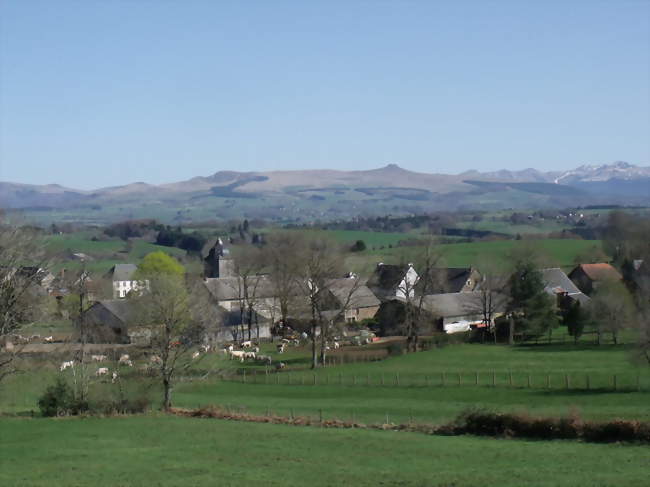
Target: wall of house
point(407, 284)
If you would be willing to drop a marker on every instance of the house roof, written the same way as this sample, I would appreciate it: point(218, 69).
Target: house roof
point(453, 304)
point(361, 297)
point(232, 288)
point(120, 308)
point(214, 243)
point(387, 276)
point(448, 279)
point(556, 281)
point(122, 272)
point(600, 272)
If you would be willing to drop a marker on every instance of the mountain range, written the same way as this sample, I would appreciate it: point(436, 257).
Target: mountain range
point(331, 194)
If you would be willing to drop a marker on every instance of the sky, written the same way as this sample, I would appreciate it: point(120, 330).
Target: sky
point(107, 92)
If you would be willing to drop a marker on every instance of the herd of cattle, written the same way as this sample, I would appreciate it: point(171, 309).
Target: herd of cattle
point(249, 351)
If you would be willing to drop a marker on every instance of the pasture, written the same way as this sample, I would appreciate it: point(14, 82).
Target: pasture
point(168, 451)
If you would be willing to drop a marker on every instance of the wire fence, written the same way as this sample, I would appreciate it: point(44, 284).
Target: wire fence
point(573, 381)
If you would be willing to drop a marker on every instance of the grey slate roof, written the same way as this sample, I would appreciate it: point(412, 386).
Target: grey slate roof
point(453, 304)
point(122, 272)
point(361, 297)
point(447, 280)
point(556, 281)
point(232, 288)
point(121, 308)
point(387, 276)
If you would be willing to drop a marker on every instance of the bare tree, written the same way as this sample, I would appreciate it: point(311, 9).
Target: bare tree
point(248, 266)
point(319, 260)
point(22, 270)
point(165, 309)
point(279, 256)
point(414, 292)
point(489, 299)
point(612, 309)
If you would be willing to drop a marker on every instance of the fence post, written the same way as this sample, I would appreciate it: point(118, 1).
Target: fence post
point(340, 379)
point(302, 379)
point(368, 379)
point(397, 378)
point(314, 379)
point(566, 381)
point(268, 413)
point(510, 378)
point(386, 418)
point(615, 382)
point(548, 381)
point(291, 414)
point(528, 381)
point(494, 378)
point(382, 378)
point(320, 416)
point(638, 382)
point(460, 380)
point(410, 415)
point(426, 380)
point(442, 378)
point(588, 382)
point(476, 378)
point(277, 378)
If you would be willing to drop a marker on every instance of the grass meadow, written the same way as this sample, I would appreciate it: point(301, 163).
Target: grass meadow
point(157, 450)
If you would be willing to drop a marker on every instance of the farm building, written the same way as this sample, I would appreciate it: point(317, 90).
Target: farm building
point(108, 321)
point(588, 276)
point(558, 284)
point(359, 301)
point(217, 262)
point(445, 280)
point(390, 281)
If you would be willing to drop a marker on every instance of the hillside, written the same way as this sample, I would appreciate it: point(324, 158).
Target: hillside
point(332, 194)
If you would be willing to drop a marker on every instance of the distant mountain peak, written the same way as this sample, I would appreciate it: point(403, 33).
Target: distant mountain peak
point(603, 172)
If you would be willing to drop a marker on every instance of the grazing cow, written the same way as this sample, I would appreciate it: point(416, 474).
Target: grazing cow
point(98, 358)
point(49, 339)
point(34, 338)
point(114, 377)
point(128, 363)
point(286, 341)
point(265, 359)
point(101, 371)
point(196, 355)
point(239, 354)
point(66, 365)
point(124, 359)
point(296, 342)
point(256, 349)
point(230, 347)
point(336, 345)
point(204, 348)
point(246, 344)
point(280, 365)
point(250, 355)
point(281, 347)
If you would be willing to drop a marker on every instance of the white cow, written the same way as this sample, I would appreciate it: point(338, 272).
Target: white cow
point(264, 358)
point(281, 347)
point(65, 365)
point(336, 345)
point(98, 358)
point(49, 339)
point(239, 354)
point(204, 348)
point(250, 355)
point(101, 371)
point(196, 355)
point(124, 359)
point(256, 349)
point(114, 377)
point(247, 344)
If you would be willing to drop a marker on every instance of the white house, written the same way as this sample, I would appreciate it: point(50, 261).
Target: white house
point(121, 276)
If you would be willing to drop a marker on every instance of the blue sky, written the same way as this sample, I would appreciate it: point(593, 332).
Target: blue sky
point(99, 93)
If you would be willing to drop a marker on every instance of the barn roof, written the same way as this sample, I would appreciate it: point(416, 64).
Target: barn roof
point(446, 280)
point(556, 281)
point(360, 297)
point(453, 304)
point(600, 272)
point(120, 308)
point(387, 276)
point(232, 287)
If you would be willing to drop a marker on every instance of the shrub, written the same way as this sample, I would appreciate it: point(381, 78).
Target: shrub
point(396, 348)
point(57, 399)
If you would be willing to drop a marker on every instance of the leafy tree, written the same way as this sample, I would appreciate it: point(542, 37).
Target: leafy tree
point(576, 319)
point(530, 307)
point(159, 263)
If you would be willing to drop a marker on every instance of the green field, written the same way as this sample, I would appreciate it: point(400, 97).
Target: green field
point(159, 450)
point(553, 253)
